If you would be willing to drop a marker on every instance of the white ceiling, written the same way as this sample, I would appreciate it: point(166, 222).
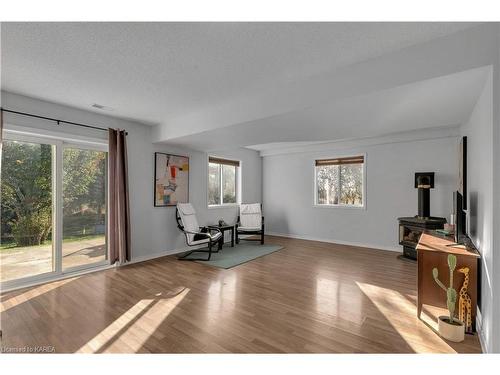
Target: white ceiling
point(157, 72)
point(263, 86)
point(438, 102)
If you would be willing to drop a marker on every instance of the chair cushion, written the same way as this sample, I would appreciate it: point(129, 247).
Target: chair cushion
point(189, 221)
point(249, 229)
point(215, 237)
point(251, 208)
point(186, 208)
point(250, 216)
point(202, 234)
point(187, 214)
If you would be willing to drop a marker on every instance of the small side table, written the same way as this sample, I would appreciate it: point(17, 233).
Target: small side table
point(223, 229)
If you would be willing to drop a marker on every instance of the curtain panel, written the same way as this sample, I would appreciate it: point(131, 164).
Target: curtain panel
point(119, 206)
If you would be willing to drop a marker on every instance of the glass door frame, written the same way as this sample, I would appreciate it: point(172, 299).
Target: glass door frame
point(58, 144)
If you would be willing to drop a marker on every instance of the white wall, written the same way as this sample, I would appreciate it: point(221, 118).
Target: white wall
point(390, 168)
point(479, 132)
point(163, 228)
point(154, 230)
point(495, 326)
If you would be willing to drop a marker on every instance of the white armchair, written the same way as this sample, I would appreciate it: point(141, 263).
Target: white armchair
point(250, 221)
point(185, 216)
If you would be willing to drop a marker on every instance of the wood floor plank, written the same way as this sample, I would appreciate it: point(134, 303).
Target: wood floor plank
point(308, 297)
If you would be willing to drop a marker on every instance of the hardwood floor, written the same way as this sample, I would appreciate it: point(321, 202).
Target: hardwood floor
point(308, 297)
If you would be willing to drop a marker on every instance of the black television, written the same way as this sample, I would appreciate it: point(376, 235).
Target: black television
point(458, 210)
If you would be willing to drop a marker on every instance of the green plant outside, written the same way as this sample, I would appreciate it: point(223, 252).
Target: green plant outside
point(26, 194)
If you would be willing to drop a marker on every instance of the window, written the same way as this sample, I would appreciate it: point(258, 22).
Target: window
point(340, 181)
point(223, 177)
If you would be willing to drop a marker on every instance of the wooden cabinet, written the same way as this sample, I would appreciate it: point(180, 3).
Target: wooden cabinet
point(433, 250)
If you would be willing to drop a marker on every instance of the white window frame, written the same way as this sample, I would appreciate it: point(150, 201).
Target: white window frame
point(60, 141)
point(343, 206)
point(237, 182)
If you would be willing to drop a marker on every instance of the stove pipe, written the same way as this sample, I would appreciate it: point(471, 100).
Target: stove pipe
point(424, 204)
point(424, 182)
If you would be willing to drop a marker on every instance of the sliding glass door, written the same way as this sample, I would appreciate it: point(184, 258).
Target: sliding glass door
point(53, 208)
point(27, 187)
point(84, 207)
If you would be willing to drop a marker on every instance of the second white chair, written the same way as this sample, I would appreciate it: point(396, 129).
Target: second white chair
point(250, 221)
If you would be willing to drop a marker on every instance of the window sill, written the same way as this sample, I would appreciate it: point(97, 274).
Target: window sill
point(217, 206)
point(341, 206)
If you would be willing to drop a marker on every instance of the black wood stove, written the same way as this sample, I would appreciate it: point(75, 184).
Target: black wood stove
point(411, 228)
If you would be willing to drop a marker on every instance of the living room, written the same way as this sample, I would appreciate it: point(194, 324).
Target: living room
point(250, 187)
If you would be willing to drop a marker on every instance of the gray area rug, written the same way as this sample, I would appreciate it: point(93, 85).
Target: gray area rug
point(229, 256)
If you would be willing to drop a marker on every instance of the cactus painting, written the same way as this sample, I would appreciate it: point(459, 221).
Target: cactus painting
point(451, 294)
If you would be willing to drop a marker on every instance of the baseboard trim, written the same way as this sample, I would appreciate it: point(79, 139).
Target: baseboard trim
point(145, 258)
point(339, 242)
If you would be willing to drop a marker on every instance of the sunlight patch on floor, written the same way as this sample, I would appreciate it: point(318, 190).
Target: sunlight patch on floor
point(327, 296)
point(336, 299)
point(221, 296)
point(136, 325)
point(401, 313)
point(12, 299)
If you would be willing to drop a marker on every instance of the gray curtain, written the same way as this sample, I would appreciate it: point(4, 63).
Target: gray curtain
point(119, 210)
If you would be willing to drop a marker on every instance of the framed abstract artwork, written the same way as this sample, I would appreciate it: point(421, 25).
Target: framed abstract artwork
point(171, 179)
